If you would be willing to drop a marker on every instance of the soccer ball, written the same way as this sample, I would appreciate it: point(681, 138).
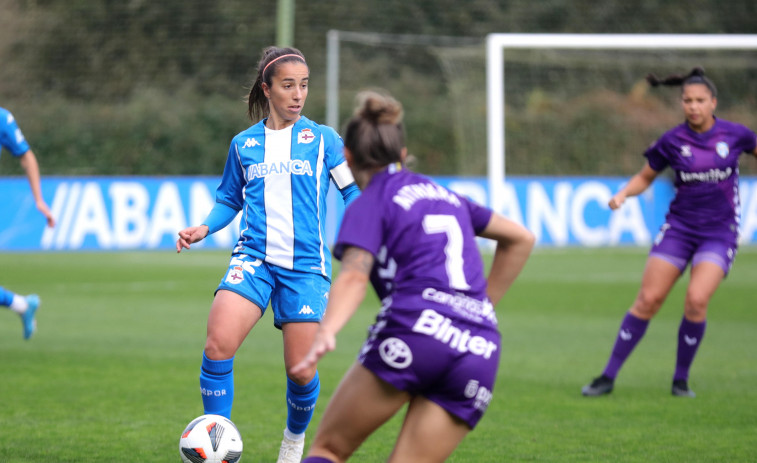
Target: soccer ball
point(210, 439)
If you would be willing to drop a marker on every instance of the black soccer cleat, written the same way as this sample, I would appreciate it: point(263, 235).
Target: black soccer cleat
point(599, 386)
point(681, 388)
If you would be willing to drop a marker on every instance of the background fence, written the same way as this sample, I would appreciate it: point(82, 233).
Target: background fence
point(157, 88)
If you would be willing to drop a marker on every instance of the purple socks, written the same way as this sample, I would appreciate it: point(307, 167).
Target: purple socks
point(690, 335)
point(631, 331)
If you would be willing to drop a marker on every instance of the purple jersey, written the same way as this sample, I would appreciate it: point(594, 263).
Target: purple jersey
point(423, 238)
point(437, 333)
point(706, 168)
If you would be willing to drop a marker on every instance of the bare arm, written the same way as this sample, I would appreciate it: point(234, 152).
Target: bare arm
point(514, 245)
point(346, 295)
point(635, 186)
point(31, 167)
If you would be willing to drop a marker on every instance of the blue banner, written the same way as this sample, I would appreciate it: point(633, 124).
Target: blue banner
point(114, 213)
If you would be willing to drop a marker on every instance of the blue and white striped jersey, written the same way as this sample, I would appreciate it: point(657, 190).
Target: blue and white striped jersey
point(11, 137)
point(279, 180)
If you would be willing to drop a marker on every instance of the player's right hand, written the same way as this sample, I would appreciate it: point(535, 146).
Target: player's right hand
point(617, 201)
point(191, 235)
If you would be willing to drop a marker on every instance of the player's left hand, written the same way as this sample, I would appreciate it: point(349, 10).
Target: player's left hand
point(324, 342)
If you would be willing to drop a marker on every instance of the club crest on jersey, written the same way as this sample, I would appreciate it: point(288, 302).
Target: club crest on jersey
point(722, 149)
point(235, 276)
point(305, 136)
point(686, 151)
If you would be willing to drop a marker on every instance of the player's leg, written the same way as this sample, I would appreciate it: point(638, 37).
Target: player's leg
point(361, 403)
point(709, 266)
point(658, 279)
point(298, 304)
point(24, 306)
point(240, 301)
point(230, 320)
point(302, 390)
point(429, 433)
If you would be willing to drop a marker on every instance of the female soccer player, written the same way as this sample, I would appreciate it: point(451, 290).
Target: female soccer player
point(12, 139)
point(701, 227)
point(435, 343)
point(277, 173)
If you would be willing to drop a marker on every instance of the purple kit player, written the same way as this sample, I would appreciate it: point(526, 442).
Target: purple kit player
point(701, 227)
point(435, 343)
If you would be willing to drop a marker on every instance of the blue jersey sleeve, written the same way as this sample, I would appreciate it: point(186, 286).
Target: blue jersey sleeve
point(11, 137)
point(231, 189)
point(339, 171)
point(220, 216)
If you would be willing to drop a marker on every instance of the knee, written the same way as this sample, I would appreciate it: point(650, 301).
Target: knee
point(647, 304)
point(695, 308)
point(216, 350)
point(302, 378)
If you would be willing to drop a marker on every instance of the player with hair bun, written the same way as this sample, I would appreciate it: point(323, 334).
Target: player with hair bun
point(701, 227)
point(435, 344)
point(277, 174)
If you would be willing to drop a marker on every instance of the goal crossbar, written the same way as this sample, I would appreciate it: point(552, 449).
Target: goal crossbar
point(497, 43)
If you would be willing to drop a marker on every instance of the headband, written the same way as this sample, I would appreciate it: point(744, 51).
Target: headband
point(278, 58)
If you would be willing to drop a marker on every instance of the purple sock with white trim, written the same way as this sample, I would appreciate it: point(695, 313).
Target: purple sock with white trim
point(631, 331)
point(690, 336)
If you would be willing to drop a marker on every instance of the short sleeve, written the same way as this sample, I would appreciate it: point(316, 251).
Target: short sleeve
point(656, 157)
point(362, 226)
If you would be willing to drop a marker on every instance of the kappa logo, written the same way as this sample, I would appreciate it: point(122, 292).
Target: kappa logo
point(251, 142)
point(306, 310)
point(625, 335)
point(686, 151)
point(689, 340)
point(305, 136)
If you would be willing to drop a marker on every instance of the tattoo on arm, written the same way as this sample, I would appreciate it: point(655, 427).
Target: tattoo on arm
point(358, 260)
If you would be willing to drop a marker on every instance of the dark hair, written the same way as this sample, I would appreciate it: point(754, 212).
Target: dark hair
point(696, 76)
point(375, 134)
point(272, 57)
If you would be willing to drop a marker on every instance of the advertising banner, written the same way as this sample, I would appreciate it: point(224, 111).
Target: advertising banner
point(121, 213)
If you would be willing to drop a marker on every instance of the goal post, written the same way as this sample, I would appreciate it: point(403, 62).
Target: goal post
point(498, 43)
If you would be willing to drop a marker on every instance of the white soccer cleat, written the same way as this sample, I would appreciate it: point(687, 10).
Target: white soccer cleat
point(291, 450)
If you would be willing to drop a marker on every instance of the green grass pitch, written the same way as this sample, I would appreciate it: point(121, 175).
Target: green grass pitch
point(112, 373)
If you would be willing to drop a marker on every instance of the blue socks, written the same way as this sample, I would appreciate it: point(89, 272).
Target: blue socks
point(301, 404)
point(217, 386)
point(316, 460)
point(6, 297)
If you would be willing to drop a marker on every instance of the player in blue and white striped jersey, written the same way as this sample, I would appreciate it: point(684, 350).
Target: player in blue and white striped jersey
point(13, 140)
point(277, 175)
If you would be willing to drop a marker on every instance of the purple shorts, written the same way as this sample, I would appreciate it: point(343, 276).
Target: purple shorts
point(679, 247)
point(452, 362)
